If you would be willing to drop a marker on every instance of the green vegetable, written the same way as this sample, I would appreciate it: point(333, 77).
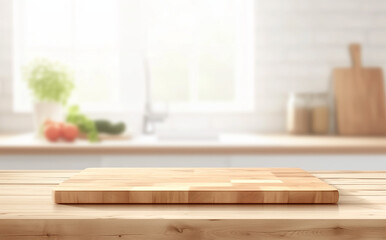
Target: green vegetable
point(102, 125)
point(49, 81)
point(105, 126)
point(84, 124)
point(117, 128)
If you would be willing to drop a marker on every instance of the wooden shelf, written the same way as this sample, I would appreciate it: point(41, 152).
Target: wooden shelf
point(229, 144)
point(27, 211)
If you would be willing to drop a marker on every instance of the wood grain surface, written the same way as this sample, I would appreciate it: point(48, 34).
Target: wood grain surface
point(28, 213)
point(360, 100)
point(194, 185)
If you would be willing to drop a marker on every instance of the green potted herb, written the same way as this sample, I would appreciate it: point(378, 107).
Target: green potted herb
point(51, 84)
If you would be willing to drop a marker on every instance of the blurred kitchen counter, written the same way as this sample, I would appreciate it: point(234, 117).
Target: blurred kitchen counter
point(225, 144)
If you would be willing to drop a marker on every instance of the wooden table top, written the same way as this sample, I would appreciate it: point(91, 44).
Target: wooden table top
point(27, 211)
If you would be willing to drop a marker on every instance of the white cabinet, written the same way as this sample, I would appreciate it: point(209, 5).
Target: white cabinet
point(313, 162)
point(308, 162)
point(42, 162)
point(178, 161)
point(47, 162)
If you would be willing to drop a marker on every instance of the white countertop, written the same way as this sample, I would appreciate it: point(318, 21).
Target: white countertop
point(224, 144)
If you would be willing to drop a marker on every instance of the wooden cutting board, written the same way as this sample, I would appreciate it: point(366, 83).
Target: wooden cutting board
point(360, 100)
point(194, 185)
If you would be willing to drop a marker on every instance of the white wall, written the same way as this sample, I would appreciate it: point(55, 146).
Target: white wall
point(298, 42)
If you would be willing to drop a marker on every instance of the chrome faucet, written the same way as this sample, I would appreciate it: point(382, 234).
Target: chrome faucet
point(150, 118)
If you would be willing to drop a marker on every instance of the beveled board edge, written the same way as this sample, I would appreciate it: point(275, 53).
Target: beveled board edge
point(196, 197)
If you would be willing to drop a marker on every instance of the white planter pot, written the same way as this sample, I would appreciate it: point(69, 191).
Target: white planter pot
point(44, 111)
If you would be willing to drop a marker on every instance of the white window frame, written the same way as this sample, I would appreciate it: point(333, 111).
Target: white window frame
point(244, 90)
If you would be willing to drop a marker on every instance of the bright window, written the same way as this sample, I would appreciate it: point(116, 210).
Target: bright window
point(199, 52)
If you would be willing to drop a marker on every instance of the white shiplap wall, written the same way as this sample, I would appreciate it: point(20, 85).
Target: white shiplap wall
point(298, 42)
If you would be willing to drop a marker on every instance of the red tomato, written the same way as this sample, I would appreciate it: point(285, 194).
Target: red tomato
point(52, 132)
point(69, 132)
point(61, 128)
point(48, 122)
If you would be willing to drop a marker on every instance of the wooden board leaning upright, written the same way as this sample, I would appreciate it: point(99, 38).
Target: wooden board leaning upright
point(360, 100)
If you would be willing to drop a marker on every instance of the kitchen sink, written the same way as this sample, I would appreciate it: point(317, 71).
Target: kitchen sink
point(199, 136)
point(179, 137)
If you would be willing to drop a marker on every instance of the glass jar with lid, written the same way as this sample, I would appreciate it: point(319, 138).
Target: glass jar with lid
point(319, 113)
point(298, 113)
